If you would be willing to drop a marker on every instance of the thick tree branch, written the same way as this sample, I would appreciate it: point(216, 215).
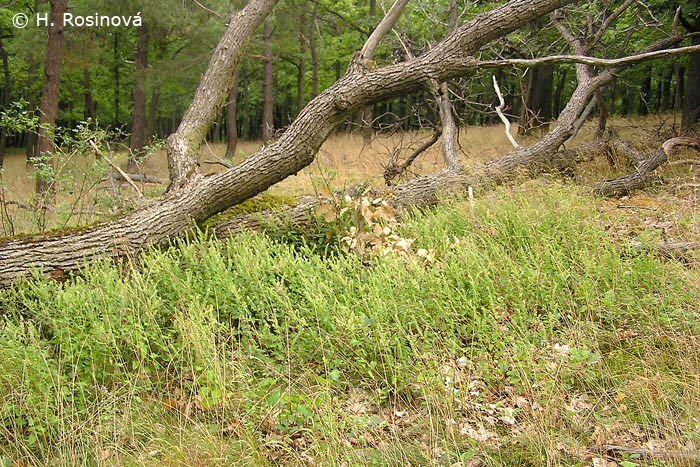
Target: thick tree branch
point(190, 203)
point(214, 88)
point(624, 185)
point(383, 28)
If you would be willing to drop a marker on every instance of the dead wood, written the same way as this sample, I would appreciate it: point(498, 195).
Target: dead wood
point(640, 177)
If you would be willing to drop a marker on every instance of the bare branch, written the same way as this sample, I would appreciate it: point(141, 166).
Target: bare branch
point(587, 60)
point(685, 162)
point(392, 171)
point(140, 178)
point(584, 115)
point(111, 163)
point(203, 7)
point(499, 111)
point(344, 19)
point(608, 22)
point(383, 28)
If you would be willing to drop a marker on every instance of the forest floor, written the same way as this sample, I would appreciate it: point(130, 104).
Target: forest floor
point(520, 329)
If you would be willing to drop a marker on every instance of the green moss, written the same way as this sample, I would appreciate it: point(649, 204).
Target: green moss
point(260, 203)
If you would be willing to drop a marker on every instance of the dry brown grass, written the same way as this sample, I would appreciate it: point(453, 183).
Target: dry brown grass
point(343, 160)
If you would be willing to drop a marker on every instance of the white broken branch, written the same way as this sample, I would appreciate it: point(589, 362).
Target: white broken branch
point(499, 111)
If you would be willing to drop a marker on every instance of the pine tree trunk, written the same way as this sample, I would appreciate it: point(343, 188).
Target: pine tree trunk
point(302, 62)
point(231, 128)
point(6, 98)
point(559, 91)
point(138, 120)
point(313, 49)
point(49, 94)
point(152, 120)
point(267, 120)
point(117, 75)
point(691, 97)
point(193, 197)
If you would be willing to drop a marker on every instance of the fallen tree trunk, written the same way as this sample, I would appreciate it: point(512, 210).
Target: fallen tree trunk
point(192, 198)
point(624, 185)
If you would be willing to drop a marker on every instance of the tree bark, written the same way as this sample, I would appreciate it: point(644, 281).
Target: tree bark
point(537, 101)
point(313, 49)
point(138, 120)
point(49, 93)
point(559, 90)
point(198, 197)
point(117, 75)
point(213, 90)
point(624, 185)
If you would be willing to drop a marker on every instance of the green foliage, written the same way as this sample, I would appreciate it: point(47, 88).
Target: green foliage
point(277, 337)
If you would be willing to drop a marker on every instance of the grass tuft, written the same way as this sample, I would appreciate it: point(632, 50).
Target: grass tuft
point(531, 337)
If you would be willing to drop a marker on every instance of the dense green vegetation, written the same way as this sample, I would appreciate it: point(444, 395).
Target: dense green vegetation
point(527, 336)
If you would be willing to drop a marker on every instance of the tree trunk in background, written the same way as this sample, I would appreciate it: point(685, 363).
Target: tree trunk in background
point(245, 114)
point(302, 62)
point(544, 87)
point(6, 98)
point(680, 88)
point(138, 121)
point(231, 128)
point(267, 120)
point(32, 71)
point(602, 113)
point(49, 93)
point(90, 104)
point(314, 53)
point(115, 52)
point(613, 96)
point(537, 101)
point(367, 112)
point(152, 119)
point(561, 83)
point(666, 102)
point(691, 96)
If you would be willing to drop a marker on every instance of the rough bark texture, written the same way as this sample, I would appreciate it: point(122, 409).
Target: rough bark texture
point(49, 93)
point(199, 198)
point(214, 88)
point(624, 185)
